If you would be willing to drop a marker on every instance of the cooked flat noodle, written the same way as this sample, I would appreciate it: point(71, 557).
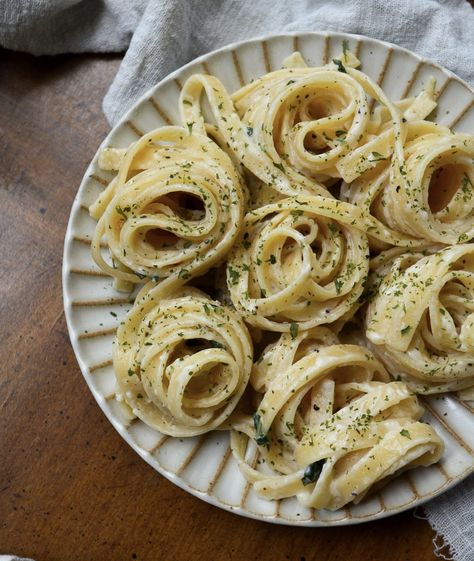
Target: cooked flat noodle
point(434, 197)
point(289, 348)
point(300, 129)
point(300, 264)
point(329, 427)
point(421, 320)
point(175, 207)
point(298, 185)
point(182, 361)
point(292, 128)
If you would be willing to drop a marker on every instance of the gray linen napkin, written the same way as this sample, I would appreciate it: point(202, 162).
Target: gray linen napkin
point(162, 35)
point(166, 34)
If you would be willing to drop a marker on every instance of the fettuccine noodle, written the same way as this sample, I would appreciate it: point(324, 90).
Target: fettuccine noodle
point(321, 213)
point(176, 206)
point(329, 427)
point(182, 361)
point(421, 322)
point(300, 263)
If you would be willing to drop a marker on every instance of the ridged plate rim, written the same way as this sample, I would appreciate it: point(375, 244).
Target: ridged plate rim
point(69, 307)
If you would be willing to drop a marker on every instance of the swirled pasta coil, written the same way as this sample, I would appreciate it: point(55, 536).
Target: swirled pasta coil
point(421, 320)
point(330, 428)
point(182, 361)
point(430, 197)
point(175, 208)
point(300, 262)
point(292, 128)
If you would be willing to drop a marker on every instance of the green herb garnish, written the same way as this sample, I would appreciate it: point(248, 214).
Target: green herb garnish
point(376, 157)
point(234, 275)
point(122, 211)
point(260, 437)
point(313, 471)
point(339, 65)
point(293, 330)
point(339, 284)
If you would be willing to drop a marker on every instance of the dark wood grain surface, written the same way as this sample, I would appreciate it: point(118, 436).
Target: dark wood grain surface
point(70, 487)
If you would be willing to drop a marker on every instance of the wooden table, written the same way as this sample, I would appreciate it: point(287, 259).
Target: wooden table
point(70, 487)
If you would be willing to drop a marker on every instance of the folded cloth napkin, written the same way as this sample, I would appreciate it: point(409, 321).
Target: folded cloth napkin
point(452, 517)
point(162, 35)
point(165, 34)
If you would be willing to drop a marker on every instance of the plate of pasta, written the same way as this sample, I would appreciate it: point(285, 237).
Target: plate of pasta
point(269, 278)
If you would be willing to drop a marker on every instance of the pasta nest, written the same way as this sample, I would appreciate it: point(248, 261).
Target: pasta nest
point(291, 128)
point(306, 118)
point(182, 361)
point(299, 264)
point(175, 207)
point(428, 195)
point(329, 426)
point(421, 321)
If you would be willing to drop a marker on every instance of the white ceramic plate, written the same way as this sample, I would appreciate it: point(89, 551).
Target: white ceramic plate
point(204, 465)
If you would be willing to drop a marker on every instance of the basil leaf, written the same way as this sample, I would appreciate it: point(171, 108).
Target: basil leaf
point(339, 65)
point(313, 471)
point(376, 157)
point(260, 437)
point(294, 330)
